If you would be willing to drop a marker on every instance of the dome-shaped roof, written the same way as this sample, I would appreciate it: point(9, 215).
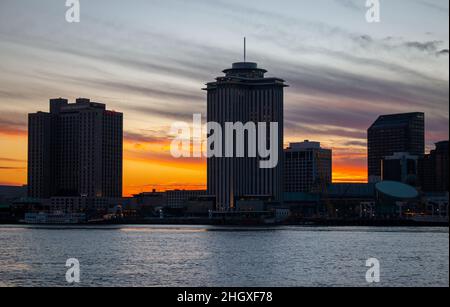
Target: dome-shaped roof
point(397, 190)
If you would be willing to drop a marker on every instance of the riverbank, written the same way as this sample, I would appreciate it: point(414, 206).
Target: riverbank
point(249, 223)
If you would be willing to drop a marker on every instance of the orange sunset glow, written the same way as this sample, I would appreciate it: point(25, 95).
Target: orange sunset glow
point(150, 63)
point(149, 166)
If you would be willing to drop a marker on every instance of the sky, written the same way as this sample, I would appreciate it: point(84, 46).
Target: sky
point(150, 59)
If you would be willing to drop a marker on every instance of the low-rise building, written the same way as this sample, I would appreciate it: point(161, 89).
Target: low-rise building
point(178, 198)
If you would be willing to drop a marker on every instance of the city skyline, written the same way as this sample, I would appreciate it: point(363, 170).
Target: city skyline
point(151, 81)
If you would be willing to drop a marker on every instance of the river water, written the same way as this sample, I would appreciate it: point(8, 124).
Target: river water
point(221, 256)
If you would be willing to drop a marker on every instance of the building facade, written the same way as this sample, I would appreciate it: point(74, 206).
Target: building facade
point(434, 169)
point(391, 134)
point(245, 95)
point(75, 150)
point(401, 167)
point(12, 192)
point(179, 198)
point(307, 167)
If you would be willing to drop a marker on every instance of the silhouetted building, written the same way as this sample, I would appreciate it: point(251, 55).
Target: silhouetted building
point(340, 200)
point(63, 208)
point(148, 204)
point(394, 133)
point(12, 192)
point(200, 206)
point(401, 167)
point(307, 167)
point(245, 95)
point(8, 195)
point(180, 198)
point(434, 169)
point(75, 150)
point(151, 199)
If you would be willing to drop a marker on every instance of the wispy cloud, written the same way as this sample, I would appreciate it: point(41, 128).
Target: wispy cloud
point(436, 5)
point(151, 68)
point(11, 168)
point(12, 123)
point(12, 160)
point(352, 4)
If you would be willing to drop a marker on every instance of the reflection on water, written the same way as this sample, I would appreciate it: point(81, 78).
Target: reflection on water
point(162, 230)
point(223, 256)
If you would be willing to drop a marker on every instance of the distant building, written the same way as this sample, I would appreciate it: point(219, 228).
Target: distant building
point(245, 95)
point(307, 166)
point(179, 198)
point(91, 207)
point(346, 191)
point(434, 169)
point(200, 206)
point(401, 167)
point(55, 218)
point(151, 199)
point(391, 134)
point(437, 206)
point(148, 203)
point(88, 205)
point(339, 200)
point(347, 200)
point(8, 195)
point(12, 192)
point(396, 200)
point(75, 150)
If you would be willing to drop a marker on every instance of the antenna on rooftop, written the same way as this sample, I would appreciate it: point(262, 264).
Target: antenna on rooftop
point(245, 49)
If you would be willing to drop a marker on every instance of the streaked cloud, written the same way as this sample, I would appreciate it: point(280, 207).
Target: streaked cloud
point(150, 59)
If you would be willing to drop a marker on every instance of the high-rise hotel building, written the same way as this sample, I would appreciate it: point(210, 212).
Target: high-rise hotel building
point(245, 95)
point(307, 167)
point(391, 134)
point(75, 150)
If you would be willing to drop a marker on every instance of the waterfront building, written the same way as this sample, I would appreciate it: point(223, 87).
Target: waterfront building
point(434, 169)
point(177, 199)
point(245, 95)
point(75, 150)
point(401, 167)
point(394, 133)
point(307, 167)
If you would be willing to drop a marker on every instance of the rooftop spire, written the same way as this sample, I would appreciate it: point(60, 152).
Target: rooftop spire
point(245, 49)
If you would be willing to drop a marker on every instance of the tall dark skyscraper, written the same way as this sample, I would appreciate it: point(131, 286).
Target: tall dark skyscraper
point(75, 150)
point(392, 134)
point(245, 95)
